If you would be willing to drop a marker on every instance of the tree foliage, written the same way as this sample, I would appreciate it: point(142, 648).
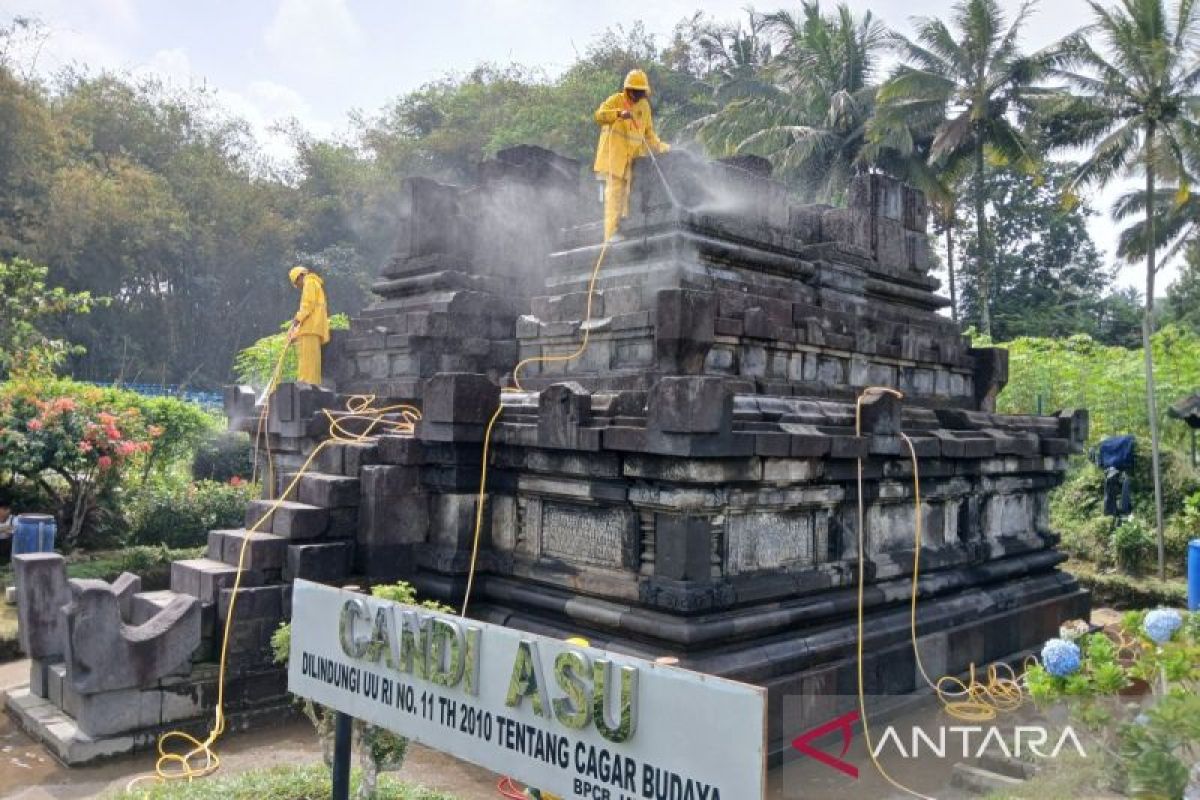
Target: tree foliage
point(160, 200)
point(26, 306)
point(1107, 380)
point(1050, 279)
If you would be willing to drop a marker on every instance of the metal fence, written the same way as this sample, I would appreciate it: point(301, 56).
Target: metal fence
point(213, 400)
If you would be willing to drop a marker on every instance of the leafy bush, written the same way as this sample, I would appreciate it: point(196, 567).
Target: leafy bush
point(71, 447)
point(222, 457)
point(182, 516)
point(1158, 651)
point(1132, 545)
point(1077, 508)
point(79, 451)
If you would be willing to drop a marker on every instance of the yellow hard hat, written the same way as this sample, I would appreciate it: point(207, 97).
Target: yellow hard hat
point(295, 272)
point(636, 79)
point(578, 641)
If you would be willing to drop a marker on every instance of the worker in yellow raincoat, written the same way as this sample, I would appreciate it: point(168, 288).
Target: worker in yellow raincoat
point(310, 326)
point(626, 131)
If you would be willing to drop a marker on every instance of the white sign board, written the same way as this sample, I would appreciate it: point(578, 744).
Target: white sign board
point(576, 721)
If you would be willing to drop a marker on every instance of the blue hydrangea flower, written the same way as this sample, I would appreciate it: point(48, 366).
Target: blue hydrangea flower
point(1060, 657)
point(1161, 624)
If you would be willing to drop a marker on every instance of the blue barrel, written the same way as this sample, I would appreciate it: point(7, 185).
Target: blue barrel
point(1194, 575)
point(33, 533)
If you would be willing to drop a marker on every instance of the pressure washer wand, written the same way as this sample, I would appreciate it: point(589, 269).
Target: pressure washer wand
point(654, 160)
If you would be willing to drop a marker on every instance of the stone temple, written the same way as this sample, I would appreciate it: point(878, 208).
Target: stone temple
point(686, 487)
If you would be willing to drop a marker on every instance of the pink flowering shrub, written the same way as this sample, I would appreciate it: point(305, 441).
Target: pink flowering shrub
point(72, 447)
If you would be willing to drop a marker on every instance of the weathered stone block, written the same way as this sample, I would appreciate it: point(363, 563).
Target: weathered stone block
point(112, 712)
point(684, 327)
point(327, 491)
point(991, 374)
point(105, 654)
point(257, 602)
point(563, 409)
point(460, 398)
point(324, 563)
point(918, 254)
point(890, 246)
point(346, 458)
point(39, 680)
point(393, 449)
point(264, 551)
point(683, 547)
point(204, 579)
point(847, 226)
point(690, 405)
point(41, 580)
point(880, 414)
point(916, 210)
point(289, 519)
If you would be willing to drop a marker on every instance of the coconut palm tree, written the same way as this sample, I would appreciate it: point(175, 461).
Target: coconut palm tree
point(1135, 104)
point(974, 80)
point(808, 110)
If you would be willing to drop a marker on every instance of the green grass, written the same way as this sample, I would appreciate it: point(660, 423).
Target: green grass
point(1066, 776)
point(1124, 591)
point(279, 783)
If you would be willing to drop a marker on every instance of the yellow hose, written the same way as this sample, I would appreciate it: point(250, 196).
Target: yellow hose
point(199, 757)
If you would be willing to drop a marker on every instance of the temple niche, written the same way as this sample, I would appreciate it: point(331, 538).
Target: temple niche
point(686, 487)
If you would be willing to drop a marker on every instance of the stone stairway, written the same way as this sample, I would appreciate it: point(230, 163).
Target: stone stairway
point(310, 537)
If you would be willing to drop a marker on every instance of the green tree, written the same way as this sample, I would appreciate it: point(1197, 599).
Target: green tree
point(1183, 296)
point(1050, 279)
point(975, 80)
point(1133, 105)
point(807, 107)
point(160, 205)
point(30, 149)
point(26, 304)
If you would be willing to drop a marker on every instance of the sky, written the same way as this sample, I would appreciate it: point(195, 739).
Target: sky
point(318, 60)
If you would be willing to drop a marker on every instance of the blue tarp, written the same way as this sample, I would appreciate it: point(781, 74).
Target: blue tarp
point(1116, 452)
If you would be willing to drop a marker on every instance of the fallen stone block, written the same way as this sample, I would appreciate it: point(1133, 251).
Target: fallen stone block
point(257, 602)
point(460, 398)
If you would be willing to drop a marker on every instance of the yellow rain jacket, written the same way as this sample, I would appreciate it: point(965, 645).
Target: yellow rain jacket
point(621, 140)
point(313, 315)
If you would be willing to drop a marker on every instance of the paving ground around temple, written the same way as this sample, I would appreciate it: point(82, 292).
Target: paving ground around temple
point(29, 772)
